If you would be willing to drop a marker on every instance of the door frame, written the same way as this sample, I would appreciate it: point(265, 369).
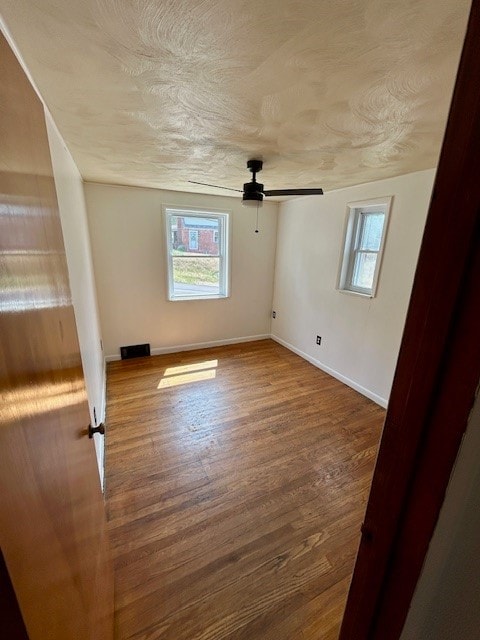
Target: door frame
point(435, 382)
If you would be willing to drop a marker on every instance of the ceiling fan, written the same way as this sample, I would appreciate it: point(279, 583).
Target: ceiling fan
point(253, 192)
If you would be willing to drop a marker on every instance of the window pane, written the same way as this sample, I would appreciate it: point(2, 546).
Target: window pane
point(197, 245)
point(371, 231)
point(195, 275)
point(364, 270)
point(198, 235)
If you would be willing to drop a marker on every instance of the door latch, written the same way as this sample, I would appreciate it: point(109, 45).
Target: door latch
point(99, 429)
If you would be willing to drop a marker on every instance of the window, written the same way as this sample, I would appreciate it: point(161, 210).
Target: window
point(197, 254)
point(364, 241)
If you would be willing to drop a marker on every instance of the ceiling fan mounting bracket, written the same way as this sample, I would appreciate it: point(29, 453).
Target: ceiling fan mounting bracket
point(254, 166)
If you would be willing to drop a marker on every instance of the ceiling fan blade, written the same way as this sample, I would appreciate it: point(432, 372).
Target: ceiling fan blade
point(294, 192)
point(215, 185)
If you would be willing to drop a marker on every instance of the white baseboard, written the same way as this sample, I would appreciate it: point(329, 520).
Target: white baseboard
point(351, 383)
point(157, 351)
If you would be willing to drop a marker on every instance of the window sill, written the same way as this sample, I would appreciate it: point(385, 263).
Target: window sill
point(356, 293)
point(197, 298)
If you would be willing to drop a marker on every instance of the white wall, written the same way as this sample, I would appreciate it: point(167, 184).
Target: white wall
point(446, 603)
point(360, 336)
point(127, 234)
point(73, 216)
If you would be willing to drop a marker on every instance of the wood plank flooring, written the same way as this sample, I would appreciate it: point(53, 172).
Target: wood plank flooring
point(236, 481)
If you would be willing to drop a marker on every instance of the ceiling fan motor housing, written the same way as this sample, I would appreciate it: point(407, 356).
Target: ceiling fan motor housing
point(252, 191)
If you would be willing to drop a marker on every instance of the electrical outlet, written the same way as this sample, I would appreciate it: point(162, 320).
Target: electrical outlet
point(274, 314)
point(319, 340)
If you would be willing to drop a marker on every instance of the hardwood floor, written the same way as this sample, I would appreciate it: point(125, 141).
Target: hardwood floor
point(237, 479)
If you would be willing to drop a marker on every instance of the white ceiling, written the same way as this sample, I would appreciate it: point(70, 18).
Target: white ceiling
point(328, 92)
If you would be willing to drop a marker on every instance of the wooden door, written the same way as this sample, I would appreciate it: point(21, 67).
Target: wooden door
point(52, 520)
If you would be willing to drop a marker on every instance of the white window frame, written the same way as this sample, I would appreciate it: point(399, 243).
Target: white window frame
point(170, 211)
point(353, 226)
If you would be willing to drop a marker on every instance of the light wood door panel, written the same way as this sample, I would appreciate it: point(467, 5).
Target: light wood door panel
point(52, 520)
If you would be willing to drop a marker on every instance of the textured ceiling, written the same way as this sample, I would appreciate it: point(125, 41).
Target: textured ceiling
point(328, 93)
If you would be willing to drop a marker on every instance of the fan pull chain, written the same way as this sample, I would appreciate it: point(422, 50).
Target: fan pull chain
point(256, 224)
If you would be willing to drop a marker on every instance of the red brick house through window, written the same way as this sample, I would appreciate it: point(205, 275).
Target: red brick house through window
point(195, 235)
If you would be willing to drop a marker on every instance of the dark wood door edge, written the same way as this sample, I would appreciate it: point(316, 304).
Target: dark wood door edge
point(435, 381)
point(438, 451)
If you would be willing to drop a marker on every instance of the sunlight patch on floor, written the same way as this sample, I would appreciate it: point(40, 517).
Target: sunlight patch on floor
point(186, 374)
